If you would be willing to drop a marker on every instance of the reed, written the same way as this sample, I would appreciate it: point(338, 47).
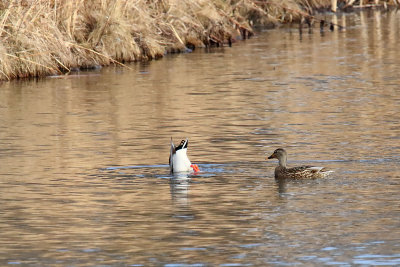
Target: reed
point(41, 37)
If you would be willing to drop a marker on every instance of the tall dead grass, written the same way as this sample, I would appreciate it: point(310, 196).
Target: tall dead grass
point(52, 37)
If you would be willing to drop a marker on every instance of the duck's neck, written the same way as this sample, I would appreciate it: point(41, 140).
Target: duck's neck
point(282, 162)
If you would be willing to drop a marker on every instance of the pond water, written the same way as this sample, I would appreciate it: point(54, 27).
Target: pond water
point(84, 176)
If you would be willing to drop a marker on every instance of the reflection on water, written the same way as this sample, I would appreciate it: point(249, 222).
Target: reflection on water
point(83, 159)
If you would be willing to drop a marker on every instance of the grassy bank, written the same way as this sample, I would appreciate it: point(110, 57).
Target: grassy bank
point(52, 37)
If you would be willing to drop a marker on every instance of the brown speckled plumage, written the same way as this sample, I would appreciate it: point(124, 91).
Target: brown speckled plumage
point(302, 172)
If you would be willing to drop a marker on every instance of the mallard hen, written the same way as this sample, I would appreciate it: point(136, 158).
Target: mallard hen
point(301, 172)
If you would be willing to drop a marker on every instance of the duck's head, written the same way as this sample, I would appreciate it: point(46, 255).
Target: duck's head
point(278, 153)
point(281, 155)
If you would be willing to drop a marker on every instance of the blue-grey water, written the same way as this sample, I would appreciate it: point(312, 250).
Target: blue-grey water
point(84, 178)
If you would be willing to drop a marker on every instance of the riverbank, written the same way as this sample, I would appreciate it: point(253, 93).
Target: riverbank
point(42, 38)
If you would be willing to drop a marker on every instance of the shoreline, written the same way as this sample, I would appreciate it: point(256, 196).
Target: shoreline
point(42, 38)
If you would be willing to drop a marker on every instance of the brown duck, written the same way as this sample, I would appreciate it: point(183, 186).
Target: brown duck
point(301, 172)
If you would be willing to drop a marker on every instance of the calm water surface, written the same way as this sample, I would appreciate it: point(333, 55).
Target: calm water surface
point(84, 179)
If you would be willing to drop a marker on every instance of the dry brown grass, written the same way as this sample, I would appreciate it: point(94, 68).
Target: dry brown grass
point(41, 37)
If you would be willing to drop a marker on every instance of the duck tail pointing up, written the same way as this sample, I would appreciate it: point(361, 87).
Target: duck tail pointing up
point(182, 145)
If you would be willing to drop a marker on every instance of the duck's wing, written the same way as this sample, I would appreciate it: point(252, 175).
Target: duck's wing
point(314, 169)
point(321, 170)
point(300, 169)
point(172, 146)
point(307, 172)
point(171, 153)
